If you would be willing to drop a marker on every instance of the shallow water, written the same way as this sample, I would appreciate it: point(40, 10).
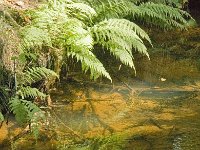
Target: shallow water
point(161, 118)
point(152, 118)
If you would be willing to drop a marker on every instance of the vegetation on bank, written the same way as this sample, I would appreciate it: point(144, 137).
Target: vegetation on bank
point(37, 44)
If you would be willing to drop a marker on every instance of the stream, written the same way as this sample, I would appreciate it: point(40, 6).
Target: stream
point(151, 118)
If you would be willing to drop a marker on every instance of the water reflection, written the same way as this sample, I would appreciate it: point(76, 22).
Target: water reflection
point(177, 143)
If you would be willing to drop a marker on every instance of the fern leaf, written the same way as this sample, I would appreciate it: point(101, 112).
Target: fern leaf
point(80, 43)
point(35, 115)
point(161, 15)
point(34, 37)
point(111, 8)
point(27, 91)
point(1, 117)
point(27, 112)
point(35, 74)
point(127, 25)
point(157, 14)
point(81, 10)
point(120, 36)
point(19, 111)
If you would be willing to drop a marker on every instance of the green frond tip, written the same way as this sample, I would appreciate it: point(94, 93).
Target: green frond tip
point(79, 43)
point(34, 37)
point(120, 37)
point(35, 74)
point(162, 15)
point(19, 110)
point(81, 10)
point(29, 92)
point(89, 61)
point(1, 117)
point(128, 25)
point(25, 111)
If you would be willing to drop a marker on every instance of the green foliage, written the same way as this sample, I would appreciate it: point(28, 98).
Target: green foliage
point(173, 3)
point(4, 96)
point(27, 112)
point(157, 14)
point(34, 74)
point(75, 27)
point(67, 33)
point(162, 16)
point(65, 28)
point(28, 92)
point(19, 110)
point(120, 36)
point(34, 37)
point(113, 142)
point(111, 8)
point(1, 117)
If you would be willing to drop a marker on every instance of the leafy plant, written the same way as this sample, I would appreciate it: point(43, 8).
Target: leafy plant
point(72, 28)
point(27, 112)
point(1, 117)
point(21, 103)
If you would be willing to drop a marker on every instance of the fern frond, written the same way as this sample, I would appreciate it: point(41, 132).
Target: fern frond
point(80, 44)
point(69, 34)
point(161, 15)
point(120, 36)
point(81, 10)
point(19, 111)
point(33, 37)
point(31, 108)
point(157, 14)
point(35, 74)
point(111, 8)
point(89, 61)
point(27, 112)
point(25, 92)
point(1, 117)
point(35, 116)
point(127, 25)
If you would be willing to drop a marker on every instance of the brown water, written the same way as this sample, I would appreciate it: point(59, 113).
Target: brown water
point(148, 118)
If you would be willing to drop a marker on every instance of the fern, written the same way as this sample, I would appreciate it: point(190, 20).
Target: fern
point(27, 112)
point(19, 111)
point(111, 8)
point(1, 117)
point(120, 36)
point(162, 15)
point(157, 14)
point(113, 142)
point(28, 92)
point(81, 11)
point(79, 43)
point(35, 74)
point(71, 35)
point(34, 37)
point(72, 28)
